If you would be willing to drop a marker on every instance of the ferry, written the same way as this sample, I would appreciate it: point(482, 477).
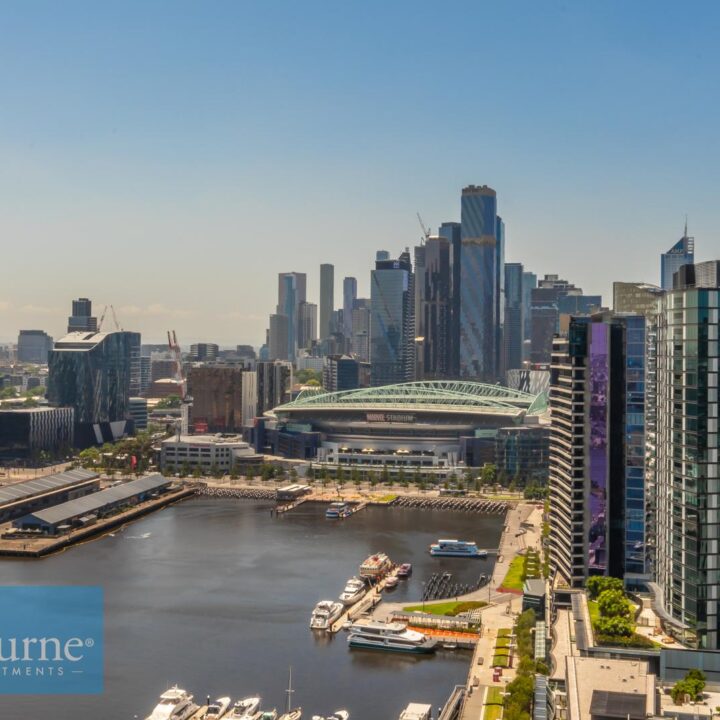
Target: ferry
point(175, 704)
point(375, 566)
point(354, 590)
point(405, 570)
point(391, 637)
point(245, 709)
point(326, 612)
point(456, 548)
point(217, 709)
point(338, 510)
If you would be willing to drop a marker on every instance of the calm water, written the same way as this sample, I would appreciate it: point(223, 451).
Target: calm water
point(216, 595)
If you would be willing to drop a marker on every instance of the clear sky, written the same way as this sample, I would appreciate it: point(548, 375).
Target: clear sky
point(171, 158)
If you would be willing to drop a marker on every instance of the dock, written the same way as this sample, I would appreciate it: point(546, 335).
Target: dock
point(291, 506)
point(365, 604)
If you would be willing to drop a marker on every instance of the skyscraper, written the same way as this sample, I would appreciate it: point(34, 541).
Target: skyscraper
point(349, 297)
point(514, 316)
point(278, 337)
point(392, 326)
point(33, 346)
point(327, 298)
point(481, 261)
point(681, 253)
point(433, 306)
point(307, 324)
point(529, 281)
point(685, 442)
point(81, 319)
point(451, 231)
point(291, 292)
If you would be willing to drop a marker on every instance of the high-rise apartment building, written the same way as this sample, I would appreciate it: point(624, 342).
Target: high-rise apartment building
point(681, 253)
point(349, 297)
point(274, 384)
point(81, 319)
point(278, 348)
point(635, 297)
point(514, 317)
point(360, 346)
point(451, 231)
point(204, 352)
point(686, 492)
point(307, 324)
point(327, 298)
point(482, 261)
point(291, 293)
point(33, 346)
point(392, 325)
point(433, 306)
point(217, 396)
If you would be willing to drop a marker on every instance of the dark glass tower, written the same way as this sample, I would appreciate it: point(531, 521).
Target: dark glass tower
point(514, 316)
point(451, 231)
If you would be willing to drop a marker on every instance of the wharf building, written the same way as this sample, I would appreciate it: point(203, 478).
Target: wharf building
point(26, 432)
point(685, 442)
point(433, 425)
point(33, 346)
point(91, 373)
point(597, 450)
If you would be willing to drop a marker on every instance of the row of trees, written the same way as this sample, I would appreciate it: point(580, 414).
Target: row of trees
point(520, 691)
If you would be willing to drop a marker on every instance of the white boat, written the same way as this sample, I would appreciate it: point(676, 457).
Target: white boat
point(392, 637)
point(175, 704)
point(292, 714)
point(375, 566)
point(337, 715)
point(354, 590)
point(456, 548)
point(245, 709)
point(217, 709)
point(295, 714)
point(326, 612)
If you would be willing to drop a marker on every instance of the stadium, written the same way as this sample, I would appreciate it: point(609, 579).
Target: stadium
point(431, 424)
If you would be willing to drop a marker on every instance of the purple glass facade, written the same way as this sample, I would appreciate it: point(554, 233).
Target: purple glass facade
point(597, 451)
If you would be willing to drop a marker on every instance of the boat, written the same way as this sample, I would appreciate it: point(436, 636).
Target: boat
point(375, 566)
point(337, 715)
point(266, 715)
point(405, 570)
point(291, 714)
point(175, 704)
point(417, 711)
point(355, 589)
point(392, 637)
point(326, 612)
point(217, 709)
point(391, 583)
point(338, 510)
point(456, 548)
point(295, 714)
point(245, 709)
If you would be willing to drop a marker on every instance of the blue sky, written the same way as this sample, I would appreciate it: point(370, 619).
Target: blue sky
point(171, 157)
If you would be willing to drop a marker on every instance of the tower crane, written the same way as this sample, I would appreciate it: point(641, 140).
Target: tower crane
point(425, 229)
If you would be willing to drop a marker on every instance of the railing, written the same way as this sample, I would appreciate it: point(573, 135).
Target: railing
point(451, 709)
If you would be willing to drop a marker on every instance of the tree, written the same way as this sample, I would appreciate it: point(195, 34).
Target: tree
point(385, 475)
point(307, 376)
point(614, 626)
point(340, 473)
point(691, 686)
point(171, 401)
point(613, 603)
point(599, 583)
point(401, 477)
point(8, 393)
point(488, 474)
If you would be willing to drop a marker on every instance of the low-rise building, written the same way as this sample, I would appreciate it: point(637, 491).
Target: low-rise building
point(26, 432)
point(207, 453)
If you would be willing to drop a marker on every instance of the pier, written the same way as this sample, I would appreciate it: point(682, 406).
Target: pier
point(364, 605)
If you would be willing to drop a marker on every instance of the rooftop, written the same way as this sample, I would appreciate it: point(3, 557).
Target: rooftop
point(217, 439)
point(29, 488)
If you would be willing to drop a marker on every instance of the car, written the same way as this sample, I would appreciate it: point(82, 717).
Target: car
point(480, 660)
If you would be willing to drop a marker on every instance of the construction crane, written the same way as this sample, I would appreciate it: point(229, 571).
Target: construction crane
point(425, 229)
point(177, 357)
point(114, 316)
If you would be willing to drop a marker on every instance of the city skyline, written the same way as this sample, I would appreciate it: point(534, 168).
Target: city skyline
point(198, 130)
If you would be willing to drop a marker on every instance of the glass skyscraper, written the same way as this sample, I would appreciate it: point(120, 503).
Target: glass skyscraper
point(514, 316)
point(291, 292)
point(451, 231)
point(482, 236)
point(327, 298)
point(681, 253)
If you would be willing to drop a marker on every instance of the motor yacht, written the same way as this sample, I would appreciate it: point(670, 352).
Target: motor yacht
point(354, 590)
point(217, 709)
point(326, 612)
point(175, 704)
point(245, 709)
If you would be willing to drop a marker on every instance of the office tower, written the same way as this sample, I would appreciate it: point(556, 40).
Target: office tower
point(451, 231)
point(246, 352)
point(135, 342)
point(341, 372)
point(349, 297)
point(81, 319)
point(597, 453)
point(360, 346)
point(278, 348)
point(514, 316)
point(161, 368)
point(481, 259)
point(433, 306)
point(291, 292)
point(392, 324)
point(217, 396)
point(499, 319)
point(204, 352)
point(27, 431)
point(145, 372)
point(635, 297)
point(327, 298)
point(91, 373)
point(307, 324)
point(685, 441)
point(33, 346)
point(274, 384)
point(681, 253)
point(138, 411)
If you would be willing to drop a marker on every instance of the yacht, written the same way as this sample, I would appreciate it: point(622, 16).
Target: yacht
point(245, 709)
point(175, 704)
point(338, 510)
point(392, 637)
point(375, 566)
point(456, 548)
point(337, 715)
point(326, 612)
point(295, 714)
point(267, 715)
point(217, 709)
point(354, 590)
point(405, 570)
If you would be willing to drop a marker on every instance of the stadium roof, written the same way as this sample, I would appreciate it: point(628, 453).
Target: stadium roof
point(96, 501)
point(435, 395)
point(39, 486)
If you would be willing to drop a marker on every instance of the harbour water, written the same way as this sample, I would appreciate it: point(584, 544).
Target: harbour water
point(216, 595)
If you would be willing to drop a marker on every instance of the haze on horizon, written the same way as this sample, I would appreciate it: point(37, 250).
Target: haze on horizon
point(171, 159)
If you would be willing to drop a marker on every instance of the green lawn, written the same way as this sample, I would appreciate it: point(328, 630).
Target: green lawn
point(502, 651)
point(594, 611)
point(451, 608)
point(502, 642)
point(494, 696)
point(504, 632)
point(500, 661)
point(386, 498)
point(514, 578)
point(492, 712)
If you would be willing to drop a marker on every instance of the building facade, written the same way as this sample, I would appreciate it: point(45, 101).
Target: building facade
point(349, 297)
point(681, 253)
point(216, 391)
point(81, 319)
point(327, 298)
point(451, 231)
point(513, 330)
point(26, 432)
point(33, 346)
